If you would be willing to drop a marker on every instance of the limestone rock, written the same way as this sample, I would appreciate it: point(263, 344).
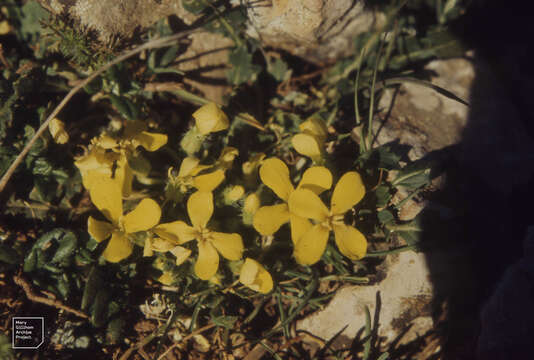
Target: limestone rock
point(317, 30)
point(422, 118)
point(404, 298)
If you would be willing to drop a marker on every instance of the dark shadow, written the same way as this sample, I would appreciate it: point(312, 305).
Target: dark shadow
point(476, 230)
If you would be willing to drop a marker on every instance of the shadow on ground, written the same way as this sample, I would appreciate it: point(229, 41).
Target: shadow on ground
point(477, 232)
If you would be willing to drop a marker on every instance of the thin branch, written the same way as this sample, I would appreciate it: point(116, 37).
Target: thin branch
point(32, 296)
point(153, 44)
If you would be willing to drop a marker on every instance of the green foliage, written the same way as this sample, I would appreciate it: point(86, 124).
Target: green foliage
point(243, 69)
point(6, 352)
point(32, 15)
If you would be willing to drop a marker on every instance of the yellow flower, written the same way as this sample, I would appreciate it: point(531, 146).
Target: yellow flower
point(99, 163)
point(106, 196)
point(134, 135)
point(209, 118)
point(310, 141)
point(254, 276)
point(202, 177)
point(210, 243)
point(188, 176)
point(226, 159)
point(57, 130)
point(108, 156)
point(303, 202)
point(233, 193)
point(250, 206)
point(168, 241)
point(275, 174)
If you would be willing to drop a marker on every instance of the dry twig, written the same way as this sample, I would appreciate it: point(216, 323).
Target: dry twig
point(32, 296)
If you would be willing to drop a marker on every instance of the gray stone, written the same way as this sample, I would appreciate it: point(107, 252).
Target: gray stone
point(422, 118)
point(404, 297)
point(317, 30)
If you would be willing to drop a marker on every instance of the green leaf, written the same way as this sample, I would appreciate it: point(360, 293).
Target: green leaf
point(385, 216)
point(243, 70)
point(8, 255)
point(94, 282)
point(279, 70)
point(440, 44)
point(383, 196)
point(168, 56)
point(226, 322)
point(412, 177)
point(115, 330)
point(194, 6)
point(41, 166)
point(411, 237)
point(30, 262)
point(33, 15)
point(67, 245)
point(99, 308)
point(63, 286)
point(123, 106)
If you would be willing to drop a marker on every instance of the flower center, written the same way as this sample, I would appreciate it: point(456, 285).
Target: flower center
point(203, 234)
point(333, 219)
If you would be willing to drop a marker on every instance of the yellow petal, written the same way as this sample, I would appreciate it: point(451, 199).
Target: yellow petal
point(275, 174)
point(177, 232)
point(147, 248)
point(145, 216)
point(350, 241)
point(208, 182)
point(57, 130)
point(106, 141)
point(311, 245)
point(200, 208)
point(200, 168)
point(207, 262)
point(166, 278)
point(4, 27)
point(119, 247)
point(161, 245)
point(124, 176)
point(106, 194)
point(254, 276)
point(234, 193)
point(299, 226)
point(316, 179)
point(150, 141)
point(227, 157)
point(209, 118)
point(187, 166)
point(181, 254)
point(99, 230)
point(230, 246)
point(252, 203)
point(305, 203)
point(268, 219)
point(307, 145)
point(347, 193)
point(264, 281)
point(315, 127)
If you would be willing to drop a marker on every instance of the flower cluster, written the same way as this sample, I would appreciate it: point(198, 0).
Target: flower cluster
point(107, 173)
